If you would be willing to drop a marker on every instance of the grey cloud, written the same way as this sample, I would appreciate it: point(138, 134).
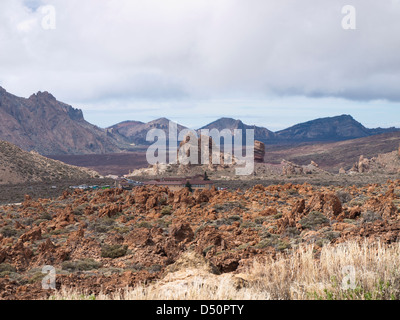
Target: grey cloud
point(202, 49)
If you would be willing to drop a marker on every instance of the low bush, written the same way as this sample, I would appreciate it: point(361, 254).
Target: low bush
point(113, 251)
point(370, 216)
point(81, 265)
point(313, 220)
point(166, 211)
point(6, 269)
point(8, 232)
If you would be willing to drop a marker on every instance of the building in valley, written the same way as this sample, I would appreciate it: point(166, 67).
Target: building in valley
point(175, 184)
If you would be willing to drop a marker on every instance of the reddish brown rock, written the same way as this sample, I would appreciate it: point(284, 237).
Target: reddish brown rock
point(327, 203)
point(182, 232)
point(32, 235)
point(259, 151)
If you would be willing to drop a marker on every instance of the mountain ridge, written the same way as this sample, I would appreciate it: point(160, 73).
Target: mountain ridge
point(50, 127)
point(337, 128)
point(136, 131)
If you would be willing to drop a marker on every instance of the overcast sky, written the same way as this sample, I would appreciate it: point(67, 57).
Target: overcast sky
point(270, 63)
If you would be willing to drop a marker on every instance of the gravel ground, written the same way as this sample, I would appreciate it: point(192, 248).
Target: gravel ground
point(16, 193)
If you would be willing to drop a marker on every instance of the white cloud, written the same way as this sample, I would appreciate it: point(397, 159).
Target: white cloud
point(168, 50)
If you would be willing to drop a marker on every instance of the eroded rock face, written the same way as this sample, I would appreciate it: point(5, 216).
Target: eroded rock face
point(327, 203)
point(259, 151)
point(50, 254)
point(32, 235)
point(182, 232)
point(290, 168)
point(291, 218)
point(206, 152)
point(363, 164)
point(382, 206)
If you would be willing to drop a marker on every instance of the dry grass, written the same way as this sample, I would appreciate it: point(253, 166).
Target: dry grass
point(300, 276)
point(295, 275)
point(198, 288)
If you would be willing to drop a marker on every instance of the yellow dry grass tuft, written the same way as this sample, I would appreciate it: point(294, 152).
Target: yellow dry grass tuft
point(351, 270)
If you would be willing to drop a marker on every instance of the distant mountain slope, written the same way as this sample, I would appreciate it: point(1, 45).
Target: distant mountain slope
point(338, 128)
point(18, 166)
point(136, 131)
point(43, 124)
point(332, 156)
point(332, 129)
point(260, 133)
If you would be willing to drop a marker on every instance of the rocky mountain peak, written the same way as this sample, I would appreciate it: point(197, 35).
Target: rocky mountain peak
point(48, 126)
point(42, 96)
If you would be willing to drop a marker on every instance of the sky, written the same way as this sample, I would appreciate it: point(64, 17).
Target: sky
point(269, 63)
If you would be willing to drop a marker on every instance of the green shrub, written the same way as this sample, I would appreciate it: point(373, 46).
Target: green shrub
point(249, 224)
point(166, 211)
point(79, 210)
point(370, 216)
point(292, 232)
point(46, 216)
point(154, 268)
point(343, 196)
point(235, 218)
point(6, 269)
point(313, 220)
point(278, 216)
point(8, 232)
point(39, 221)
point(113, 251)
point(229, 206)
point(102, 225)
point(81, 265)
point(282, 245)
point(144, 224)
point(207, 249)
point(331, 235)
point(36, 277)
point(292, 192)
point(136, 267)
point(264, 243)
point(122, 229)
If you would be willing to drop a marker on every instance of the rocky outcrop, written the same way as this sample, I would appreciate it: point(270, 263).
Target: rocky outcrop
point(362, 166)
point(290, 168)
point(205, 151)
point(327, 203)
point(259, 151)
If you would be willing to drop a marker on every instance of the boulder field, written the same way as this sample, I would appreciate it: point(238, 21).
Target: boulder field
point(110, 239)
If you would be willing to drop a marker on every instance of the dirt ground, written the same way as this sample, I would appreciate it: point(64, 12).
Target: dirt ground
point(49, 190)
